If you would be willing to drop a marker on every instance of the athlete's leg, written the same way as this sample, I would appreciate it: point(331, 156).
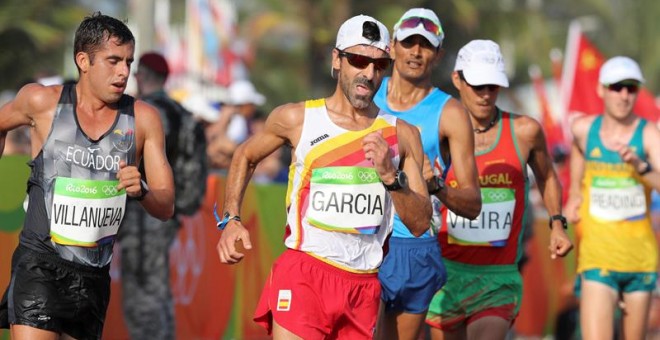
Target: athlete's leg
point(488, 328)
point(22, 332)
point(458, 332)
point(597, 303)
point(402, 326)
point(281, 333)
point(635, 314)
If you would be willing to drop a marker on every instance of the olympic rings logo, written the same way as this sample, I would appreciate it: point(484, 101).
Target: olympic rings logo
point(109, 190)
point(365, 176)
point(497, 196)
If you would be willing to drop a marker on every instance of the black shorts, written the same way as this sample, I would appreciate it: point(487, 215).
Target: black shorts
point(50, 293)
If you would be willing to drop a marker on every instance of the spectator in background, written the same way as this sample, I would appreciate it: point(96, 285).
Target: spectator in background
point(233, 125)
point(145, 241)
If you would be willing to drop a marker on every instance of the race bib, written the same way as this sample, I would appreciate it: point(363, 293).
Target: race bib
point(493, 225)
point(85, 211)
point(616, 199)
point(346, 199)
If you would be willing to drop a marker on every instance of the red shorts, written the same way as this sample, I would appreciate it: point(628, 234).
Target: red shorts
point(315, 300)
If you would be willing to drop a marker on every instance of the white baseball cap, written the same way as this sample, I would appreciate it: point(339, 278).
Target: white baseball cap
point(352, 33)
point(482, 63)
point(243, 92)
point(618, 69)
point(417, 16)
point(201, 108)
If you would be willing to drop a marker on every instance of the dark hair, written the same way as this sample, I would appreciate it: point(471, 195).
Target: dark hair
point(95, 30)
point(370, 31)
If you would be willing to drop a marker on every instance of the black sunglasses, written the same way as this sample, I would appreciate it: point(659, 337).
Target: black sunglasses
point(617, 87)
point(490, 87)
point(362, 61)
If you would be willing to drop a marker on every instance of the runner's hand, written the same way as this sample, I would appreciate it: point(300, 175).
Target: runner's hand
point(377, 151)
point(234, 232)
point(129, 178)
point(560, 243)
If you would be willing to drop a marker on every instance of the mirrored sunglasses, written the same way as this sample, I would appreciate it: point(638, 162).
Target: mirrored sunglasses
point(490, 87)
point(362, 61)
point(428, 24)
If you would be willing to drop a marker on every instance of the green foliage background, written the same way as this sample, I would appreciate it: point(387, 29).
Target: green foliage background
point(292, 59)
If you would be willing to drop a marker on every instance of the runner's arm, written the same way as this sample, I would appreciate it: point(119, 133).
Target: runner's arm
point(529, 132)
point(282, 126)
point(464, 199)
point(412, 204)
point(159, 201)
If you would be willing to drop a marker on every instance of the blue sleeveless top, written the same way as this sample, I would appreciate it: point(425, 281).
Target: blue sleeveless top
point(425, 115)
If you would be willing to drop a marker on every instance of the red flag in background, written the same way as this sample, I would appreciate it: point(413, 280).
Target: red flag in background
point(580, 80)
point(552, 129)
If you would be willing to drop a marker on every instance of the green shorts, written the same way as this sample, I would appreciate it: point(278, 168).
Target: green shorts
point(624, 282)
point(473, 292)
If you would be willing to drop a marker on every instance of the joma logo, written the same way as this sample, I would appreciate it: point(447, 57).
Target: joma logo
point(318, 139)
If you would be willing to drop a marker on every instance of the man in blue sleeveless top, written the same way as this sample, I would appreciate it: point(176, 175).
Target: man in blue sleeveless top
point(413, 271)
point(87, 141)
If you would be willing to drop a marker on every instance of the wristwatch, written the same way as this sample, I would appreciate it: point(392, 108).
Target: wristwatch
point(400, 181)
point(144, 190)
point(645, 169)
point(438, 184)
point(561, 218)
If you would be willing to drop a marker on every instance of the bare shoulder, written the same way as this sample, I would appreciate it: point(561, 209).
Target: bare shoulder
point(406, 130)
point(454, 119)
point(453, 109)
point(525, 126)
point(651, 133)
point(286, 119)
point(580, 125)
point(144, 110)
point(147, 118)
point(35, 99)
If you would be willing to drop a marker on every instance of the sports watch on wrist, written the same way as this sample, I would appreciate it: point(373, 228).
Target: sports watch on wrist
point(561, 218)
point(400, 181)
point(144, 190)
point(438, 184)
point(645, 169)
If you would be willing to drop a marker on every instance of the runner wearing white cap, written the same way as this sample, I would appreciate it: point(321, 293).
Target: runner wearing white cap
point(613, 162)
point(352, 166)
point(482, 296)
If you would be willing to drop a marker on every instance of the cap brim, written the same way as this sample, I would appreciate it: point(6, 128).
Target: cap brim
point(402, 34)
point(485, 76)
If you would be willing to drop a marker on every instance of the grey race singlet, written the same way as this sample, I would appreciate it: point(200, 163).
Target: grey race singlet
point(74, 208)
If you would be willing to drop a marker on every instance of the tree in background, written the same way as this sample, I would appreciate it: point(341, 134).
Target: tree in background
point(34, 37)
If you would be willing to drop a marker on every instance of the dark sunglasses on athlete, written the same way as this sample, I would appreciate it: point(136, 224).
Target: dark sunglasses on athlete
point(490, 87)
point(413, 22)
point(362, 61)
point(617, 87)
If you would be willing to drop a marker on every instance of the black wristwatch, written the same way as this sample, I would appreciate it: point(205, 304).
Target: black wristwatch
point(400, 181)
point(561, 218)
point(144, 190)
point(438, 184)
point(646, 170)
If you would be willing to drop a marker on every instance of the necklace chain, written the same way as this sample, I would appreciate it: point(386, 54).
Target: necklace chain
point(490, 125)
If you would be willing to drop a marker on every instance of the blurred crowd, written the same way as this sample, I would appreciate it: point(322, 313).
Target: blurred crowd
point(227, 123)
